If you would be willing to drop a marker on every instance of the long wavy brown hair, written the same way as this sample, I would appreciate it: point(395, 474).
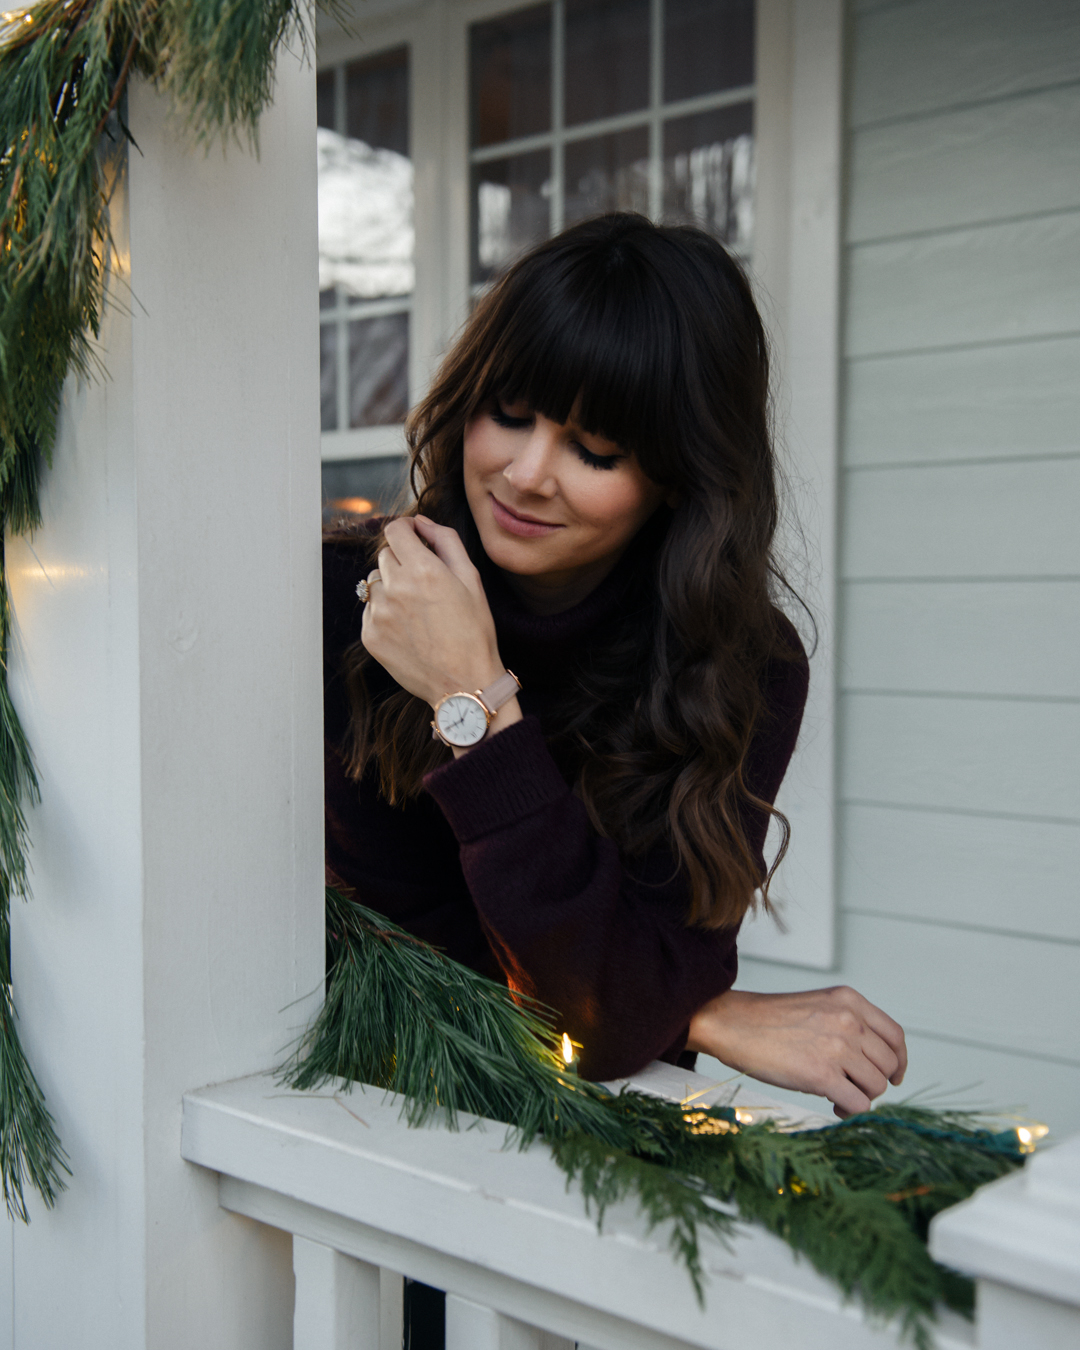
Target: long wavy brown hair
point(650, 335)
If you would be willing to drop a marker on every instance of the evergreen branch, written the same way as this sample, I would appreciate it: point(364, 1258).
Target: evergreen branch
point(65, 66)
point(854, 1199)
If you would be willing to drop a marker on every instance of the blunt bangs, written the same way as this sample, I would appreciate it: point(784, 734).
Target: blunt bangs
point(596, 338)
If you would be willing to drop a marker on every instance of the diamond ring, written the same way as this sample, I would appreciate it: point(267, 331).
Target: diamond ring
point(363, 588)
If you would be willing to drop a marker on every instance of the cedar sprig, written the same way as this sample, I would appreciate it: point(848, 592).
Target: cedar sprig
point(853, 1199)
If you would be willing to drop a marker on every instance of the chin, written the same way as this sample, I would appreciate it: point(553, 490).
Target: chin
point(519, 557)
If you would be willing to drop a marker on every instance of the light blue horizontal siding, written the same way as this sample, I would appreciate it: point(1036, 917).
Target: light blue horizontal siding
point(1012, 638)
point(1005, 400)
point(1020, 157)
point(998, 756)
point(959, 660)
point(995, 282)
point(916, 57)
point(991, 872)
point(997, 519)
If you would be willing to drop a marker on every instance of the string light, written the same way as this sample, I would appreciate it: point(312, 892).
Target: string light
point(1029, 1136)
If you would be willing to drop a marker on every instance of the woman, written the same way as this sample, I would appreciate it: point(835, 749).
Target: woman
point(596, 512)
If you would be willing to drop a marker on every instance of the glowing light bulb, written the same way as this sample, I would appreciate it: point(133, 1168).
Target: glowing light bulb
point(567, 1049)
point(1029, 1135)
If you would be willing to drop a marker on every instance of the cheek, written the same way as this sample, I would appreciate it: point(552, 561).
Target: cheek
point(616, 507)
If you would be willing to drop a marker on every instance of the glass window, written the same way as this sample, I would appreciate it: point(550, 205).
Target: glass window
point(365, 240)
point(586, 106)
point(354, 488)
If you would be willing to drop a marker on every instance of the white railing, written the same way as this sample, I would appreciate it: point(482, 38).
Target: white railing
point(368, 1200)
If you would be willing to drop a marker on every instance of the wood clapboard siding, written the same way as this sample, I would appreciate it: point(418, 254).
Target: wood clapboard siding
point(959, 632)
point(986, 402)
point(992, 989)
point(1005, 757)
point(1017, 638)
point(1008, 876)
point(986, 283)
point(919, 56)
point(998, 519)
point(972, 166)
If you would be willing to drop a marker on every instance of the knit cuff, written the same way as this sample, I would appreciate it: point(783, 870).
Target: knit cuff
point(502, 780)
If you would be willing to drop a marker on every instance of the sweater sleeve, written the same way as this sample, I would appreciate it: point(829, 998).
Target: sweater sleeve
point(599, 938)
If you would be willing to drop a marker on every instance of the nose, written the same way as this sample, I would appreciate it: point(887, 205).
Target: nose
point(531, 471)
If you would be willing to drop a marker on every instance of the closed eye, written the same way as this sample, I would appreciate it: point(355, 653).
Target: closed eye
point(502, 418)
point(593, 460)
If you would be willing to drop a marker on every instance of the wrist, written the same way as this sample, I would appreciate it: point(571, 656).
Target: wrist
point(506, 716)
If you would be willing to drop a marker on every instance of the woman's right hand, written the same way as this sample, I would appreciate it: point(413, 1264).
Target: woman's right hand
point(831, 1042)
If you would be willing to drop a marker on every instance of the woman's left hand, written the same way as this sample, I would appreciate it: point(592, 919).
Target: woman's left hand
point(427, 619)
point(832, 1042)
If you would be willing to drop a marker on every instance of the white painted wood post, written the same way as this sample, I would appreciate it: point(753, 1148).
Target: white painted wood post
point(1020, 1239)
point(471, 1326)
point(337, 1300)
point(167, 670)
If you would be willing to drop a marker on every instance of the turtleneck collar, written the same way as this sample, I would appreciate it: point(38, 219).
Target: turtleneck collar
point(544, 644)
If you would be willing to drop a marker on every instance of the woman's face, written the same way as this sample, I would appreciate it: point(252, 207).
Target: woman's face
point(552, 503)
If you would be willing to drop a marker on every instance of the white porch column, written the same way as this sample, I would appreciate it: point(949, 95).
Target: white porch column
point(167, 671)
point(1020, 1239)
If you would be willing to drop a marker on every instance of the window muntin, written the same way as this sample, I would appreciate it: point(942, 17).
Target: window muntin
point(366, 240)
point(640, 105)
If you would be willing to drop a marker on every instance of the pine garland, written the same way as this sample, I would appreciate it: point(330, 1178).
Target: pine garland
point(64, 68)
point(855, 1199)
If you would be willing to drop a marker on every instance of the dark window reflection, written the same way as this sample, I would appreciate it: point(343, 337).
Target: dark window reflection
point(510, 201)
point(708, 45)
point(607, 58)
point(328, 376)
point(709, 172)
point(377, 100)
point(378, 370)
point(324, 99)
point(354, 489)
point(607, 173)
point(510, 76)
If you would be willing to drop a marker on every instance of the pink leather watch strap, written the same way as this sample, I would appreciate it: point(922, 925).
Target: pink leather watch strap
point(500, 691)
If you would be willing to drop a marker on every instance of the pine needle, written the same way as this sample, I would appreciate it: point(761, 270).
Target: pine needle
point(854, 1199)
point(64, 70)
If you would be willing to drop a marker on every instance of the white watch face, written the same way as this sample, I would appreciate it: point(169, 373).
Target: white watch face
point(462, 719)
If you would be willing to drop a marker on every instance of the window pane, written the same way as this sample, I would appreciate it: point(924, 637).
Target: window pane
point(324, 99)
point(607, 173)
point(709, 173)
point(328, 375)
point(607, 58)
point(378, 370)
point(510, 209)
point(510, 76)
point(356, 488)
point(377, 101)
point(366, 185)
point(708, 45)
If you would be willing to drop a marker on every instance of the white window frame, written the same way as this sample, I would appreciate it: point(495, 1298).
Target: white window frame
point(796, 265)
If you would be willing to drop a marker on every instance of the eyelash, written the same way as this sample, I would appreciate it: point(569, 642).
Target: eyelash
point(503, 419)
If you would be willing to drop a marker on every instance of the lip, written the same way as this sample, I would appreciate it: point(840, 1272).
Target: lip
point(525, 527)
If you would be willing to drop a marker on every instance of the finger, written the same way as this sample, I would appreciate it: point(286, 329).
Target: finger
point(879, 1053)
point(866, 1076)
point(389, 568)
point(447, 546)
point(846, 1097)
point(892, 1033)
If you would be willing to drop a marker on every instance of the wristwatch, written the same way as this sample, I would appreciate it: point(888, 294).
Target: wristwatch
point(462, 719)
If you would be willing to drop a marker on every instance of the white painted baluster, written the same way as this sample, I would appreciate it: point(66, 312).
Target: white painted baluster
point(391, 1310)
point(471, 1326)
point(337, 1300)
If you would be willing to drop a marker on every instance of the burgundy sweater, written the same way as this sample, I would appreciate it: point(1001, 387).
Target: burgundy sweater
point(498, 864)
